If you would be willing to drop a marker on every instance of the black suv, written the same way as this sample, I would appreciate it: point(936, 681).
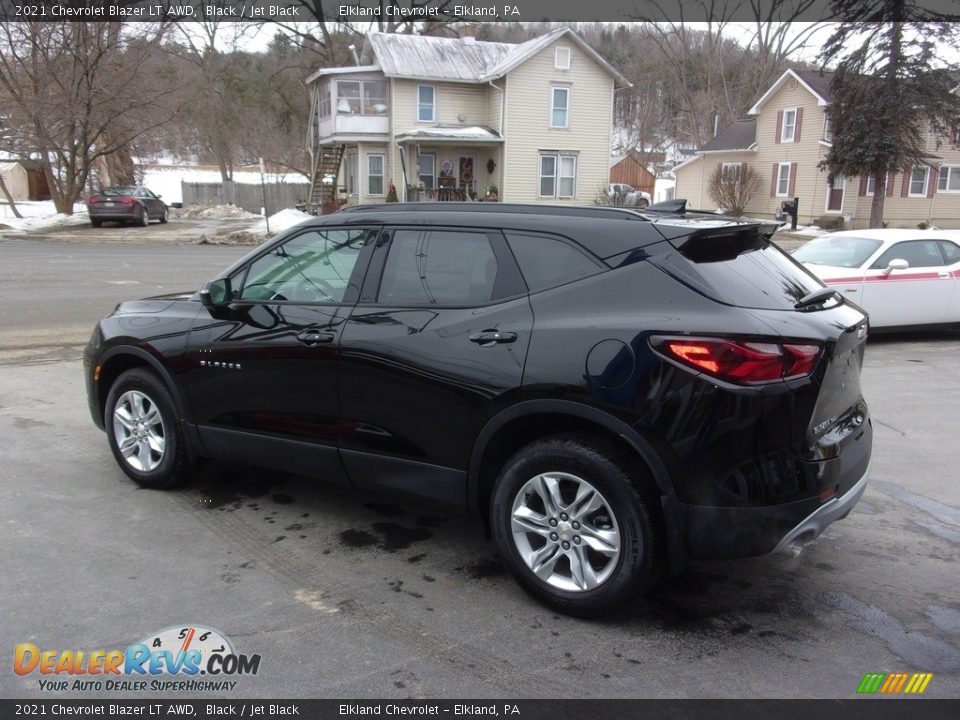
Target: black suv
point(614, 391)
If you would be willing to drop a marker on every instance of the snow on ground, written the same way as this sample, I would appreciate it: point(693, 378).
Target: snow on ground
point(806, 230)
point(281, 221)
point(40, 214)
point(215, 211)
point(165, 180)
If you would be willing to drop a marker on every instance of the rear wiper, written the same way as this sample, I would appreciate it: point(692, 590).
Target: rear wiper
point(818, 297)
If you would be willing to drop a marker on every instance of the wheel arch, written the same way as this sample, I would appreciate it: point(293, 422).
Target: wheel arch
point(119, 359)
point(520, 424)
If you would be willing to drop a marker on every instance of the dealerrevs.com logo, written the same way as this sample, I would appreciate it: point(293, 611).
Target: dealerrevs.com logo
point(174, 658)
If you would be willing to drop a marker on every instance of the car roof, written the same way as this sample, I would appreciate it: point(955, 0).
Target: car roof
point(603, 230)
point(891, 235)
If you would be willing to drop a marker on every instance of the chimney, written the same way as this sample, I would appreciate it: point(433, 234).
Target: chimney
point(467, 32)
point(353, 51)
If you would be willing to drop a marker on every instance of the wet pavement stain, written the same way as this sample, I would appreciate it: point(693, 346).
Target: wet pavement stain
point(282, 499)
point(384, 509)
point(416, 558)
point(487, 568)
point(397, 537)
point(913, 647)
point(357, 538)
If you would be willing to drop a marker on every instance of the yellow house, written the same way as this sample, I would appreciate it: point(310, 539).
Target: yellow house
point(462, 119)
point(785, 138)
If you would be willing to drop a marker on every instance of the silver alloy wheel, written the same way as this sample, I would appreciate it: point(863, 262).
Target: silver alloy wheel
point(138, 430)
point(565, 531)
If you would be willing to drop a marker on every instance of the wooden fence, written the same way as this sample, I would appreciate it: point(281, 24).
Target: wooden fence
point(246, 196)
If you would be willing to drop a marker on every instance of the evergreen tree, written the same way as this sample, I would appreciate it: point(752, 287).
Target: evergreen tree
point(891, 101)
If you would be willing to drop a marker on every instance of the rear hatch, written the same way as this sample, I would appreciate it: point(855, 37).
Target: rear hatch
point(736, 264)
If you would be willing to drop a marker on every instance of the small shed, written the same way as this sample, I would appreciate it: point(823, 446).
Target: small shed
point(630, 169)
point(25, 180)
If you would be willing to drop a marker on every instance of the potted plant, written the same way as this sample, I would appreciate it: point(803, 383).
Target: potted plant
point(493, 194)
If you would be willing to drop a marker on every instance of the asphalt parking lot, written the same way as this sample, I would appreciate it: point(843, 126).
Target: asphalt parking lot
point(349, 595)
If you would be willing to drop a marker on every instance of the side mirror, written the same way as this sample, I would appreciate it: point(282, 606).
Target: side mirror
point(895, 264)
point(216, 293)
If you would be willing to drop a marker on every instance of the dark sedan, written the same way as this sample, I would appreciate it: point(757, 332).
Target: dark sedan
point(126, 204)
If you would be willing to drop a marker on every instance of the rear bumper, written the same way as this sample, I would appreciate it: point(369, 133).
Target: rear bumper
point(118, 212)
point(816, 522)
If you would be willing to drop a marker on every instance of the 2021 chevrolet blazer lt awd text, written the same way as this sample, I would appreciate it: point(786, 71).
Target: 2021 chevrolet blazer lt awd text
point(615, 392)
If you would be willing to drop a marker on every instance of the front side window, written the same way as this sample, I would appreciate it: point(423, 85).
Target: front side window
point(783, 180)
point(919, 253)
point(375, 172)
point(438, 267)
point(918, 181)
point(949, 180)
point(560, 107)
point(313, 267)
point(426, 103)
point(789, 125)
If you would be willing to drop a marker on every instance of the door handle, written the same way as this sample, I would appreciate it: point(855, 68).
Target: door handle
point(486, 338)
point(312, 338)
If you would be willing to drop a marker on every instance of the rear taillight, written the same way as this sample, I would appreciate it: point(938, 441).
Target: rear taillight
point(91, 199)
point(743, 362)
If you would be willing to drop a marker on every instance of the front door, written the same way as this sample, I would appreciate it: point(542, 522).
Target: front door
point(466, 176)
point(427, 355)
point(835, 194)
point(918, 295)
point(261, 375)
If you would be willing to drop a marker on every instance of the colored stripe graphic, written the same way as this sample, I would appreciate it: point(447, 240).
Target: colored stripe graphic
point(895, 683)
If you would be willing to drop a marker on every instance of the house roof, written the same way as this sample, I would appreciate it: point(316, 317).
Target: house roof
point(424, 57)
point(341, 70)
point(741, 135)
point(452, 133)
point(816, 82)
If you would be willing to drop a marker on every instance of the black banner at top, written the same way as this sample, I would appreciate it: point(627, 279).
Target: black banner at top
point(438, 10)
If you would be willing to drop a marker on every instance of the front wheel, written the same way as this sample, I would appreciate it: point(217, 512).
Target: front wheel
point(144, 217)
point(143, 431)
point(575, 523)
point(164, 217)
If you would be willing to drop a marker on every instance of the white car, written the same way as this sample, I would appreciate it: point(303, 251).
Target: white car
point(900, 277)
point(631, 196)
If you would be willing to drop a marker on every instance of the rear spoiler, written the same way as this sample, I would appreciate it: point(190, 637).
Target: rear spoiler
point(675, 219)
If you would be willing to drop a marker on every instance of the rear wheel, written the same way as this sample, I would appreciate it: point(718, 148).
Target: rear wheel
point(642, 203)
point(143, 431)
point(575, 523)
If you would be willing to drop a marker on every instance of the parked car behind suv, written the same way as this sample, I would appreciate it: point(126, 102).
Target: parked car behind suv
point(614, 392)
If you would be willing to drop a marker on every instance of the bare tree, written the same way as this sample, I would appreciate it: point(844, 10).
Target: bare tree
point(734, 187)
point(67, 84)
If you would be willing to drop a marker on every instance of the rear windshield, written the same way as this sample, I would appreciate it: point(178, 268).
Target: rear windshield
point(759, 276)
point(844, 251)
point(119, 191)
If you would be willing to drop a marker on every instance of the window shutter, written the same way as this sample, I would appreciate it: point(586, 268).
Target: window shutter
point(933, 177)
point(905, 185)
point(954, 132)
point(793, 180)
point(773, 180)
point(863, 186)
point(779, 127)
point(796, 129)
point(890, 176)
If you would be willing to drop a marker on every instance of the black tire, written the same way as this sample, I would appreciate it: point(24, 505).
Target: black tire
point(163, 217)
point(629, 494)
point(144, 218)
point(642, 203)
point(96, 223)
point(173, 465)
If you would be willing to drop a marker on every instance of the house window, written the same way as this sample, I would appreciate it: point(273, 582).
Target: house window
point(428, 170)
point(730, 171)
point(949, 179)
point(789, 125)
point(323, 101)
point(871, 184)
point(783, 179)
point(426, 103)
point(348, 97)
point(559, 107)
point(374, 98)
point(558, 175)
point(827, 132)
point(561, 58)
point(375, 166)
point(350, 173)
point(918, 181)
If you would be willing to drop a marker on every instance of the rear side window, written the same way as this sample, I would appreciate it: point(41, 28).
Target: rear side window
point(951, 251)
point(919, 253)
point(439, 267)
point(547, 262)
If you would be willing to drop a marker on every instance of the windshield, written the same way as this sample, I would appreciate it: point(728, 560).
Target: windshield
point(846, 252)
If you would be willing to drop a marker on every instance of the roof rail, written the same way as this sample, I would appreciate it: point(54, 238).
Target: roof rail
point(595, 211)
